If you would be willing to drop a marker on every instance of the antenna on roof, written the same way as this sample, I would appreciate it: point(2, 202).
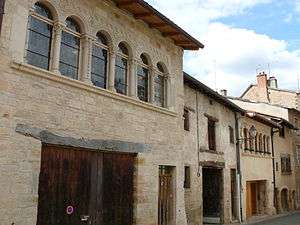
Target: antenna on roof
point(298, 80)
point(215, 72)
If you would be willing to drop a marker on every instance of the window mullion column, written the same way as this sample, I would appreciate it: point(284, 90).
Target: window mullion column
point(58, 28)
point(132, 81)
point(87, 45)
point(111, 74)
point(168, 92)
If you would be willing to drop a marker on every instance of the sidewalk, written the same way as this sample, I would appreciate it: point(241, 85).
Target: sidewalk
point(259, 219)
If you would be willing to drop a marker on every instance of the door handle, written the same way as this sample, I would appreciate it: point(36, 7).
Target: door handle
point(84, 218)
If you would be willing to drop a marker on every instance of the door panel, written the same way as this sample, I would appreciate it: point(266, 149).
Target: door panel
point(87, 181)
point(118, 192)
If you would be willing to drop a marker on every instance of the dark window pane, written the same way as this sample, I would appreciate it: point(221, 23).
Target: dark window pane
point(159, 91)
point(42, 10)
point(99, 67)
point(38, 43)
point(121, 75)
point(142, 83)
point(69, 55)
point(101, 38)
point(123, 49)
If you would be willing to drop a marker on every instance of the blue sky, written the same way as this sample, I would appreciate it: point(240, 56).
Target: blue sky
point(241, 37)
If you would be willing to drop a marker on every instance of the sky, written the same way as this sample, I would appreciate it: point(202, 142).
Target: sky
point(241, 38)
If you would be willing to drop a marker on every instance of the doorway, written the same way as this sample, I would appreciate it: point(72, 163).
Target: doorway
point(79, 187)
point(284, 200)
point(251, 199)
point(212, 195)
point(166, 198)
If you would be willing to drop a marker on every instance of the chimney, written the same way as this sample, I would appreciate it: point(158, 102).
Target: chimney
point(224, 92)
point(262, 86)
point(272, 83)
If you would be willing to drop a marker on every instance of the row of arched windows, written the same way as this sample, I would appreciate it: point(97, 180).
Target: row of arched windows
point(259, 144)
point(150, 83)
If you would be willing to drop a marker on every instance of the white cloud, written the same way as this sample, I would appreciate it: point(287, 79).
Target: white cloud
point(232, 53)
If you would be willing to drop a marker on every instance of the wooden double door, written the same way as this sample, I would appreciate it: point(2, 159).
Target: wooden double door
point(78, 187)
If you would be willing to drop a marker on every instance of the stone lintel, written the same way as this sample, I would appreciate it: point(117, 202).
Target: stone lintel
point(48, 137)
point(212, 164)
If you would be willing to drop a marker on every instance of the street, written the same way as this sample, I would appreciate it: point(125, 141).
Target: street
point(286, 220)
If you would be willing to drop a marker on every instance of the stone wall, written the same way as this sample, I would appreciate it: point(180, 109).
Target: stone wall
point(76, 109)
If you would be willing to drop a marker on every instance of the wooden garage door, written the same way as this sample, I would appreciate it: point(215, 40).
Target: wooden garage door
point(78, 187)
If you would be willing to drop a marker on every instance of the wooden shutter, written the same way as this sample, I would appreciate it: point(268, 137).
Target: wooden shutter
point(211, 135)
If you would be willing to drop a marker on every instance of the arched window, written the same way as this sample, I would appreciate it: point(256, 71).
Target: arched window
point(70, 49)
point(246, 147)
point(260, 143)
point(160, 86)
point(121, 69)
point(143, 78)
point(39, 37)
point(99, 61)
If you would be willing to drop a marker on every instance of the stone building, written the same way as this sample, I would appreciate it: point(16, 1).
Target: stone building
point(285, 164)
point(91, 117)
point(267, 98)
point(210, 147)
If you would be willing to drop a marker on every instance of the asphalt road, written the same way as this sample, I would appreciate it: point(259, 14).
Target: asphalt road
point(287, 220)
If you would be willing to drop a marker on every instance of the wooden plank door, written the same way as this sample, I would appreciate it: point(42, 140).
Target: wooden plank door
point(165, 197)
point(118, 189)
point(98, 187)
point(248, 200)
point(65, 187)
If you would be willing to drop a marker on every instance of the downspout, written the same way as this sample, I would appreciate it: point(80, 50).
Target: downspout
point(273, 165)
point(239, 172)
point(2, 4)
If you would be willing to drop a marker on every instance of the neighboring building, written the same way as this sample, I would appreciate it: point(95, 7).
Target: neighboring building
point(286, 164)
point(210, 150)
point(91, 114)
point(257, 166)
point(287, 103)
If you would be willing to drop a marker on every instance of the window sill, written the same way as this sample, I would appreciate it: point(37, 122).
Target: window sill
point(286, 173)
point(87, 87)
point(256, 155)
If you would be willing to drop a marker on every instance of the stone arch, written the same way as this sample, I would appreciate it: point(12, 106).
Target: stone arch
point(147, 56)
point(163, 66)
point(108, 38)
point(129, 48)
point(50, 6)
point(82, 25)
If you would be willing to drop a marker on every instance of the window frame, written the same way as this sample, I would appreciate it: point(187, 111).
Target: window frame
point(79, 36)
point(211, 134)
point(187, 177)
point(245, 134)
point(163, 76)
point(147, 88)
point(33, 14)
point(286, 167)
point(186, 119)
point(126, 57)
point(231, 135)
point(106, 48)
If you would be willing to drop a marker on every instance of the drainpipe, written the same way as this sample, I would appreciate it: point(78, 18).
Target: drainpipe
point(273, 131)
point(2, 3)
point(239, 172)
